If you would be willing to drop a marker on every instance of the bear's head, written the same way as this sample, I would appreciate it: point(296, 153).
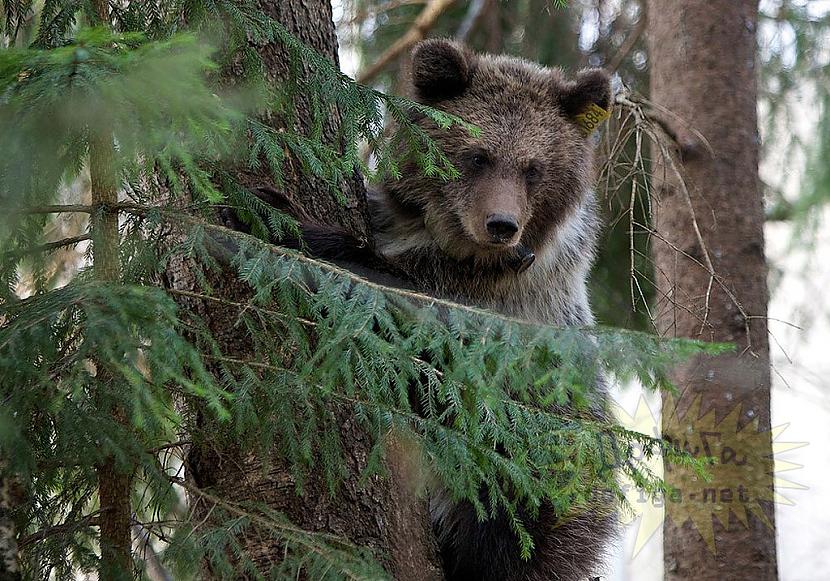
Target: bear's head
point(528, 169)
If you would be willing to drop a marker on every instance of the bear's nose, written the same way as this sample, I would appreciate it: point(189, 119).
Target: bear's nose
point(501, 227)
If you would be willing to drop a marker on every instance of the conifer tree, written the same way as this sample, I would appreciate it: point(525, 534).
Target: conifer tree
point(382, 513)
point(118, 377)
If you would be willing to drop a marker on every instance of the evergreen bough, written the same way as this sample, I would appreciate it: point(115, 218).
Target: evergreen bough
point(475, 392)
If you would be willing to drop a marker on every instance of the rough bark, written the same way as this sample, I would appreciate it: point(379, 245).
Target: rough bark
point(311, 22)
point(702, 59)
point(384, 514)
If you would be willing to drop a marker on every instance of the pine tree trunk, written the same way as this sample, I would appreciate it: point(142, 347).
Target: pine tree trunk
point(311, 22)
point(114, 484)
point(703, 68)
point(383, 514)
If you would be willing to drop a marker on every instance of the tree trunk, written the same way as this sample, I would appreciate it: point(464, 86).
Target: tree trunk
point(311, 22)
point(702, 59)
point(114, 484)
point(383, 514)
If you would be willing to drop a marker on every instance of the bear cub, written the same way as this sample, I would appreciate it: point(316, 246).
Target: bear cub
point(516, 234)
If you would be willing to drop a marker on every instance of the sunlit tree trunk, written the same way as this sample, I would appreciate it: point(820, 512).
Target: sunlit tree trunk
point(711, 277)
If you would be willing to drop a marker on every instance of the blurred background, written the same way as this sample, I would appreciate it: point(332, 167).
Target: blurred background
point(794, 103)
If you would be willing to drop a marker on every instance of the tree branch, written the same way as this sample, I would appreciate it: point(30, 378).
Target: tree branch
point(425, 21)
point(56, 209)
point(50, 245)
point(90, 520)
point(363, 14)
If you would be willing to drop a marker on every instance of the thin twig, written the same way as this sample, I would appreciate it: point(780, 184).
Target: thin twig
point(362, 15)
point(53, 209)
point(423, 23)
point(687, 197)
point(89, 520)
point(176, 444)
point(154, 568)
point(649, 119)
point(270, 523)
point(50, 246)
point(243, 306)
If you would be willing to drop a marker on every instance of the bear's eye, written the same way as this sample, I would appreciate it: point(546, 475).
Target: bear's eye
point(533, 173)
point(478, 160)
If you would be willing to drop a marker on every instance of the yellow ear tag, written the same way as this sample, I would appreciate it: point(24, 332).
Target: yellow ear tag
point(591, 117)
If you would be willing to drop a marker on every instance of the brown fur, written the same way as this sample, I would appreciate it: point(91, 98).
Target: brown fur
point(531, 164)
point(538, 166)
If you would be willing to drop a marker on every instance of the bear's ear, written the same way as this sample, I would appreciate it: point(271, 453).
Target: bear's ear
point(440, 69)
point(592, 86)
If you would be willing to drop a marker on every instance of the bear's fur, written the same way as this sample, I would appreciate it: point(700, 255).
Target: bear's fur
point(531, 161)
point(515, 234)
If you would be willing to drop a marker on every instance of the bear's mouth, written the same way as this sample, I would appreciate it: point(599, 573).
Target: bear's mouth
point(522, 259)
point(516, 257)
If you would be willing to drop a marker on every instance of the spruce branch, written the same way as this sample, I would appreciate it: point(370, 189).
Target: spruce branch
point(54, 209)
point(91, 520)
point(49, 246)
point(336, 551)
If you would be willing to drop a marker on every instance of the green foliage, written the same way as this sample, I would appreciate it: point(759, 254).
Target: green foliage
point(150, 98)
point(817, 182)
point(794, 95)
point(489, 403)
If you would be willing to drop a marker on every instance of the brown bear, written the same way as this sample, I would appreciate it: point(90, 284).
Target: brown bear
point(516, 234)
point(525, 190)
